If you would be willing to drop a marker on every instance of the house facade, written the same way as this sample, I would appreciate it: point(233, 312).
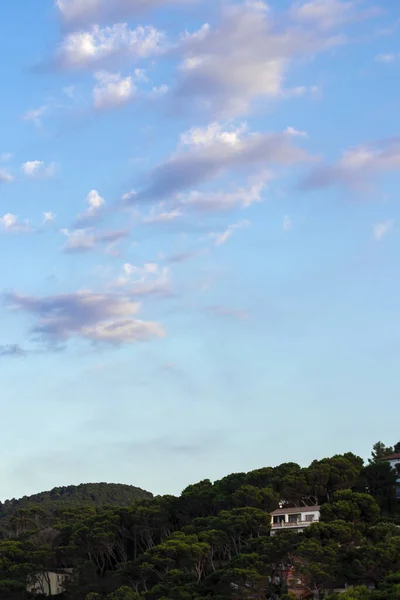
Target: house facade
point(49, 583)
point(394, 461)
point(296, 519)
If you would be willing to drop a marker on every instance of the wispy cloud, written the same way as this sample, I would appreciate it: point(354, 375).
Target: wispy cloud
point(95, 317)
point(35, 115)
point(221, 238)
point(205, 154)
point(287, 224)
point(380, 230)
point(5, 176)
point(385, 58)
point(79, 13)
point(358, 166)
point(14, 350)
point(84, 240)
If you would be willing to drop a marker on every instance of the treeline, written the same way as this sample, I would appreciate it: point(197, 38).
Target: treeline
point(214, 540)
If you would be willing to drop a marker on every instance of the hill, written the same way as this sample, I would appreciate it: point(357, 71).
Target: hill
point(72, 496)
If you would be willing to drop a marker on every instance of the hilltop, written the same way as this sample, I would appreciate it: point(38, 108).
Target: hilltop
point(74, 496)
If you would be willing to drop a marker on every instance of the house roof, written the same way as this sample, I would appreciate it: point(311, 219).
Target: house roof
point(391, 457)
point(295, 510)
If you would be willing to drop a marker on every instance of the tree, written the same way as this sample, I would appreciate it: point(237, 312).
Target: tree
point(379, 451)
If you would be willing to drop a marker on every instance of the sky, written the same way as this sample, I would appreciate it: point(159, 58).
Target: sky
point(200, 233)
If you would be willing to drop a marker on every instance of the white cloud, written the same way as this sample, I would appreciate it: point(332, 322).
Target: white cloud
point(357, 166)
point(295, 132)
point(82, 49)
point(221, 238)
point(246, 57)
point(49, 217)
point(38, 169)
point(382, 229)
point(6, 156)
point(94, 200)
point(5, 177)
point(112, 90)
point(79, 240)
point(10, 223)
point(93, 213)
point(287, 224)
point(83, 12)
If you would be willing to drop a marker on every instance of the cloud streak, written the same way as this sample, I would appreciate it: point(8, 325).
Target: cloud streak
point(206, 154)
point(358, 166)
point(103, 318)
point(78, 13)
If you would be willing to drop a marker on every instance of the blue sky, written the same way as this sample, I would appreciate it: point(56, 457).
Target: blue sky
point(200, 237)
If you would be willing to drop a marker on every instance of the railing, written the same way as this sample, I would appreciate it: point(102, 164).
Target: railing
point(297, 523)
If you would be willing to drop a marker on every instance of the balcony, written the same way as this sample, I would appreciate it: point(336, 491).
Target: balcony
point(292, 524)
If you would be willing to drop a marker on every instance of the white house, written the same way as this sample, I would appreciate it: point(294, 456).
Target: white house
point(297, 518)
point(394, 461)
point(50, 583)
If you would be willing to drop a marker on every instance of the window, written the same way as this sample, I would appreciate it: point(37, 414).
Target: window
point(309, 518)
point(294, 518)
point(279, 519)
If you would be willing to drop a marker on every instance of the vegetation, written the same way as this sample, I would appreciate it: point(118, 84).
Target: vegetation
point(213, 542)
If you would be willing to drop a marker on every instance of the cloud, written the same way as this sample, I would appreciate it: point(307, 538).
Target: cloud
point(357, 166)
point(149, 280)
point(382, 229)
point(6, 156)
point(94, 211)
point(49, 217)
point(83, 12)
point(5, 177)
point(95, 317)
point(9, 223)
point(328, 14)
point(224, 201)
point(112, 90)
point(37, 169)
point(295, 132)
point(287, 224)
point(159, 214)
point(86, 49)
point(244, 58)
point(84, 240)
point(221, 238)
point(35, 115)
point(12, 350)
point(205, 154)
point(385, 58)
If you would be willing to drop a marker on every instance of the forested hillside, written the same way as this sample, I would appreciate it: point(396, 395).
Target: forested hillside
point(95, 494)
point(214, 540)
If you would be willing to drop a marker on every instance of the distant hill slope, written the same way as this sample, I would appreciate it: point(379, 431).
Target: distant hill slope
point(95, 494)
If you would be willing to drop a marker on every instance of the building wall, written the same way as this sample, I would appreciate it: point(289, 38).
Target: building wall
point(303, 515)
point(49, 584)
